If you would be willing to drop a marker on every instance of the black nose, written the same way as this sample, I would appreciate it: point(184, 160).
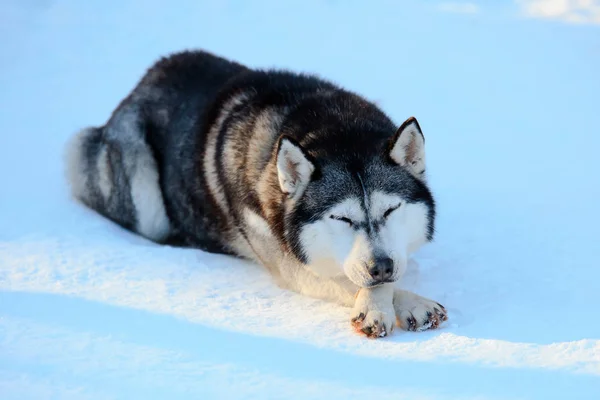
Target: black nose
point(382, 270)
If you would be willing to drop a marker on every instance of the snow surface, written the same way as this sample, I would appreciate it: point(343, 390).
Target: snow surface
point(509, 108)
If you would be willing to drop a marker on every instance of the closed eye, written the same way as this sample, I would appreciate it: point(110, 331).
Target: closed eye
point(391, 210)
point(343, 219)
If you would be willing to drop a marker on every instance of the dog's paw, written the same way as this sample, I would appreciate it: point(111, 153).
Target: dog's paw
point(416, 313)
point(374, 324)
point(373, 313)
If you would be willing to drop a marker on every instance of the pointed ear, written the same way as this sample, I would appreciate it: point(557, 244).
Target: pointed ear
point(294, 167)
point(407, 147)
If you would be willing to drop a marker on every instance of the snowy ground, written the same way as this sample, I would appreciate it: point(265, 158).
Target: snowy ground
point(509, 107)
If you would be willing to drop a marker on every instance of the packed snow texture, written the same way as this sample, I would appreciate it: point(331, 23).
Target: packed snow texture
point(509, 108)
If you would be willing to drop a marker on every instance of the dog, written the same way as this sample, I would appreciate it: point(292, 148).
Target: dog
point(289, 170)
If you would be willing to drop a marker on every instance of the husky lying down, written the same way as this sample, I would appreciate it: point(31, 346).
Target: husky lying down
point(310, 180)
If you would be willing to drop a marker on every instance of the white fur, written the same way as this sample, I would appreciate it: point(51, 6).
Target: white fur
point(349, 208)
point(404, 230)
point(104, 178)
point(152, 220)
point(409, 149)
point(259, 243)
point(257, 224)
point(293, 169)
point(381, 202)
point(415, 224)
point(383, 303)
point(376, 305)
point(334, 248)
point(329, 242)
point(359, 258)
point(295, 276)
point(408, 304)
point(242, 247)
point(76, 175)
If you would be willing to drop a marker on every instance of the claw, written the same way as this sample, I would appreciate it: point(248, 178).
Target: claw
point(433, 319)
point(372, 332)
point(412, 323)
point(441, 315)
point(359, 318)
point(383, 332)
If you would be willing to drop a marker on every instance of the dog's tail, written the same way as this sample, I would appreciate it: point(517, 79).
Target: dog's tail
point(88, 170)
point(119, 179)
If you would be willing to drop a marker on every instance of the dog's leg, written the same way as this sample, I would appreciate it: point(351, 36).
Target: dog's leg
point(337, 290)
point(416, 313)
point(373, 310)
point(373, 313)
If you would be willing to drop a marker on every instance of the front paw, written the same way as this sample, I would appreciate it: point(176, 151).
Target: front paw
point(373, 313)
point(373, 324)
point(416, 313)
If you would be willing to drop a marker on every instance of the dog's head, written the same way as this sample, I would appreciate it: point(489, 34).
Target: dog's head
point(357, 204)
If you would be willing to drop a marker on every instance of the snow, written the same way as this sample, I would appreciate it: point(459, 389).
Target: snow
point(509, 109)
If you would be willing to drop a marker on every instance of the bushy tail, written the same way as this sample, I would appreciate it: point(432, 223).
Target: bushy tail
point(118, 180)
point(87, 167)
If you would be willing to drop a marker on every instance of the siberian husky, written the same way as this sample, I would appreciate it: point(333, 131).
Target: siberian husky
point(289, 170)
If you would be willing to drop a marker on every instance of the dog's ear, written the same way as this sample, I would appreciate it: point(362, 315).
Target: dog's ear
point(294, 167)
point(407, 147)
